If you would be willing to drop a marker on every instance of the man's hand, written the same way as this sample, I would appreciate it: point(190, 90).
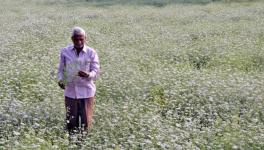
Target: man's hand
point(61, 84)
point(83, 74)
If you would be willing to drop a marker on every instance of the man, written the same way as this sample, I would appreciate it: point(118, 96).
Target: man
point(77, 71)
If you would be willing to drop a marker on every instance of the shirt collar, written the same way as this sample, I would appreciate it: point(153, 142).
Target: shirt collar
point(84, 48)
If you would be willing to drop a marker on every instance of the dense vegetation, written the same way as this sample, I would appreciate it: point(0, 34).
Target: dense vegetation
point(180, 76)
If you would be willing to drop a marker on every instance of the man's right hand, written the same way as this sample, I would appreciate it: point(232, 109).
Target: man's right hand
point(61, 84)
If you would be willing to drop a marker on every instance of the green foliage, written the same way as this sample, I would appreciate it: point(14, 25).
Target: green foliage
point(174, 76)
point(157, 96)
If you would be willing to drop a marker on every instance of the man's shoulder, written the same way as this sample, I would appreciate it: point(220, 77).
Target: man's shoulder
point(90, 49)
point(67, 48)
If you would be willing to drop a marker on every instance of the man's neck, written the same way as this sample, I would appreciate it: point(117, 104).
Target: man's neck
point(78, 50)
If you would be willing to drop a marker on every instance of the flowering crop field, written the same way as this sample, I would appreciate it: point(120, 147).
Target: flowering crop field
point(177, 76)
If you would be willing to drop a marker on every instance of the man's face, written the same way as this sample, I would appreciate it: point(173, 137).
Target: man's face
point(78, 40)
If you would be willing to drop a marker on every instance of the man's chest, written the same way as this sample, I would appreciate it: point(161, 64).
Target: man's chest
point(81, 61)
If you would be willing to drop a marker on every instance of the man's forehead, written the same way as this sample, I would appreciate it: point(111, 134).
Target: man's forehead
point(79, 36)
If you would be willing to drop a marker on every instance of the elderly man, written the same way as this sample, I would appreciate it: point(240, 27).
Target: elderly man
point(77, 71)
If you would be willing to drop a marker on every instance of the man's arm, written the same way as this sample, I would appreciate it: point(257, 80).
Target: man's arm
point(94, 67)
point(61, 70)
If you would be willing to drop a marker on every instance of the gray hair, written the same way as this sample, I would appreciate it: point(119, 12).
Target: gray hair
point(78, 31)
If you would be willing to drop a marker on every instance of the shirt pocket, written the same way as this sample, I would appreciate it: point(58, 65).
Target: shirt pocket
point(87, 64)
